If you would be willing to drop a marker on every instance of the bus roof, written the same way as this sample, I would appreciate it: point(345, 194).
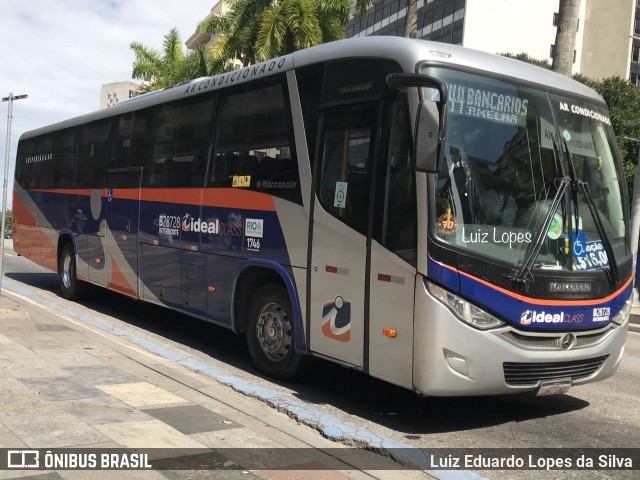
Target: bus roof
point(407, 52)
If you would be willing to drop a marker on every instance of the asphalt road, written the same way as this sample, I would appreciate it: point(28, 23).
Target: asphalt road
point(601, 415)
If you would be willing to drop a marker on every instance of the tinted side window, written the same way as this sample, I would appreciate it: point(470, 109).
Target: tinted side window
point(345, 162)
point(42, 164)
point(395, 209)
point(255, 148)
point(93, 151)
point(24, 162)
point(182, 143)
point(132, 144)
point(65, 153)
point(310, 87)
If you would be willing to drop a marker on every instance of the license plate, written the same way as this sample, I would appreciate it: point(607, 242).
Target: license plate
point(554, 387)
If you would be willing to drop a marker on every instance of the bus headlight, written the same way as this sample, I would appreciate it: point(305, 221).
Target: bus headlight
point(623, 314)
point(465, 311)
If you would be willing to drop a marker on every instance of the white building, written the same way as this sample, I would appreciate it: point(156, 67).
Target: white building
point(113, 93)
point(605, 43)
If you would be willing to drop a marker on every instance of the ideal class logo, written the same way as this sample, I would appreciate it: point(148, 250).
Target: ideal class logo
point(532, 316)
point(214, 226)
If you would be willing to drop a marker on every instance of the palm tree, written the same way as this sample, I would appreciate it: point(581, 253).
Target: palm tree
point(255, 30)
point(170, 66)
point(411, 25)
point(565, 36)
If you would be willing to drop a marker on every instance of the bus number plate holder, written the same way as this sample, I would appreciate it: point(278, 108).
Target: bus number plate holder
point(554, 387)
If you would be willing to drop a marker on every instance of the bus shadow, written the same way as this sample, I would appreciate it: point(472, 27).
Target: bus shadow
point(42, 280)
point(402, 410)
point(350, 391)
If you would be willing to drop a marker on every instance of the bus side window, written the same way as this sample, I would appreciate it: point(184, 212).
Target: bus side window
point(343, 187)
point(65, 152)
point(93, 151)
point(161, 171)
point(43, 167)
point(192, 143)
point(182, 142)
point(255, 147)
point(132, 142)
point(24, 162)
point(395, 209)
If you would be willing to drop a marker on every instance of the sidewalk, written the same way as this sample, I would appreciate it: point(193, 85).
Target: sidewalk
point(65, 384)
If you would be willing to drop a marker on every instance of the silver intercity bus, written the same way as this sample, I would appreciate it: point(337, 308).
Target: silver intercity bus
point(443, 219)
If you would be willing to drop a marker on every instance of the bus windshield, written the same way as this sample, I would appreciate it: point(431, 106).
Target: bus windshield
point(510, 152)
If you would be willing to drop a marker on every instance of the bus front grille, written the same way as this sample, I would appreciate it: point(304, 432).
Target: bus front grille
point(521, 374)
point(553, 341)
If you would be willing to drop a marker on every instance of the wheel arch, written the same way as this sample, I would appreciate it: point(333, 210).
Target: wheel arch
point(254, 274)
point(65, 236)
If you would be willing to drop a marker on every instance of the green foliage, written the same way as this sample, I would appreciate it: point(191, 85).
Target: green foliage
point(8, 221)
point(623, 99)
point(256, 30)
point(171, 66)
point(525, 57)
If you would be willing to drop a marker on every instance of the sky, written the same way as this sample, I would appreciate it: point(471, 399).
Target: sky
point(61, 52)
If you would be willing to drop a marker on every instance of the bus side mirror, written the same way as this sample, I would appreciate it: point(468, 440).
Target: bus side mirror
point(431, 122)
point(429, 137)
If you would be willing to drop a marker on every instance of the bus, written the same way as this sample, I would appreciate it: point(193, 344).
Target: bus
point(446, 220)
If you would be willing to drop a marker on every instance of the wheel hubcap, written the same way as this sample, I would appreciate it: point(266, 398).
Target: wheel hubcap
point(273, 331)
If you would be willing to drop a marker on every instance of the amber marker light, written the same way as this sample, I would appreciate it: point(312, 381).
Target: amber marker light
point(211, 289)
point(390, 332)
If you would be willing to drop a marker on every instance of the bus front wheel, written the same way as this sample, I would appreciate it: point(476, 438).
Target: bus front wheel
point(71, 287)
point(270, 333)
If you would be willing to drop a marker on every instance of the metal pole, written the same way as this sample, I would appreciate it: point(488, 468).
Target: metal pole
point(5, 183)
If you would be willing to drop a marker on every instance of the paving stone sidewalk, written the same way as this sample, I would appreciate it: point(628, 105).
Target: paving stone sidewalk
point(66, 385)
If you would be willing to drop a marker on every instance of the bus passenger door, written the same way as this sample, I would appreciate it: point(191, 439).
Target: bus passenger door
point(339, 244)
point(392, 274)
point(123, 210)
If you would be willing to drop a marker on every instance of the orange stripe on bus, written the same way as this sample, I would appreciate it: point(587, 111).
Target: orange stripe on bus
point(208, 197)
point(537, 301)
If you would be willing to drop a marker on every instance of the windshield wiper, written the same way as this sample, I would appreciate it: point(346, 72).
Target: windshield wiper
point(581, 185)
point(574, 189)
point(614, 276)
point(524, 274)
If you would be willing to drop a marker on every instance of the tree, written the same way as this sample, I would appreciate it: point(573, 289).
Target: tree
point(411, 25)
point(8, 222)
point(566, 36)
point(622, 98)
point(256, 30)
point(525, 57)
point(170, 66)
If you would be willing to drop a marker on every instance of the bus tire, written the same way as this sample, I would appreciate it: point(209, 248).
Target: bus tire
point(71, 287)
point(270, 333)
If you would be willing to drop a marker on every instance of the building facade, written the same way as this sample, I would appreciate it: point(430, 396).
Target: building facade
point(198, 39)
point(113, 93)
point(605, 43)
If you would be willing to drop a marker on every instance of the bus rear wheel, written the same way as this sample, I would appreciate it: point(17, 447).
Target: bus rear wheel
point(270, 333)
point(71, 287)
